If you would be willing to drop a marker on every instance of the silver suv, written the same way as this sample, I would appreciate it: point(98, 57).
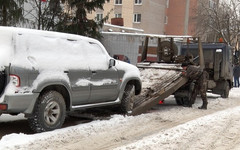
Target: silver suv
point(47, 74)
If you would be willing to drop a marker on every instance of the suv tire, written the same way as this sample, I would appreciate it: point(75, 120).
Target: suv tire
point(128, 99)
point(49, 112)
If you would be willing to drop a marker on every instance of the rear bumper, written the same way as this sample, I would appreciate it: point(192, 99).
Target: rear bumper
point(20, 103)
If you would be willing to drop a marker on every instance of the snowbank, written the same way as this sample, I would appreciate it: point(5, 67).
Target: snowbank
point(207, 132)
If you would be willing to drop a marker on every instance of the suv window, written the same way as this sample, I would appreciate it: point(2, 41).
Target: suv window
point(97, 58)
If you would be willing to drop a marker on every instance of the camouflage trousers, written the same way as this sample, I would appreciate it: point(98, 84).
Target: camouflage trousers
point(200, 87)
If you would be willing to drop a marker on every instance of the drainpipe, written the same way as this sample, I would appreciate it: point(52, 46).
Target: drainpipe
point(186, 17)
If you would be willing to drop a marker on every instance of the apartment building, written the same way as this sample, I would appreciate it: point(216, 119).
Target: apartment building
point(147, 15)
point(169, 17)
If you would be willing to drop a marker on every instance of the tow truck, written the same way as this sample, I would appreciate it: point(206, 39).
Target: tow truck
point(166, 73)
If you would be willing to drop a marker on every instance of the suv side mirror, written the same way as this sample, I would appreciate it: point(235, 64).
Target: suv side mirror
point(112, 63)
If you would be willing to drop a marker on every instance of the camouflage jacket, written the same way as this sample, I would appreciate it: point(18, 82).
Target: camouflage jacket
point(194, 72)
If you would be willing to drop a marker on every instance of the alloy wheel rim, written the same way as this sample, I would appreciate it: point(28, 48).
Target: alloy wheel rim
point(52, 113)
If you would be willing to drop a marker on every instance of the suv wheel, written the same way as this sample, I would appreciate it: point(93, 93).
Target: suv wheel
point(128, 99)
point(49, 112)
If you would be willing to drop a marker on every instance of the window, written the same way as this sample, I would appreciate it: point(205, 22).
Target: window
point(138, 2)
point(99, 17)
point(118, 15)
point(96, 56)
point(137, 18)
point(118, 2)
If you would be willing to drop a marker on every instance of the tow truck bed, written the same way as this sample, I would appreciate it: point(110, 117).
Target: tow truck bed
point(159, 80)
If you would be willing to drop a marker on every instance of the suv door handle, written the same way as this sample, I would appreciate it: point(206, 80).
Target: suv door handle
point(94, 72)
point(66, 71)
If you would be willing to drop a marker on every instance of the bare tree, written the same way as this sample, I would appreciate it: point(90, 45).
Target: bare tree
point(65, 16)
point(44, 15)
point(218, 19)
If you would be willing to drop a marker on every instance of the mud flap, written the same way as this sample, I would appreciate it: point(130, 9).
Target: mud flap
point(217, 64)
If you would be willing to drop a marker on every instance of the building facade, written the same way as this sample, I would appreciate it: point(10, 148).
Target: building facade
point(147, 15)
point(168, 17)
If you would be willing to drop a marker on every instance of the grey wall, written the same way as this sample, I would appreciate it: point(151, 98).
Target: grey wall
point(123, 44)
point(128, 44)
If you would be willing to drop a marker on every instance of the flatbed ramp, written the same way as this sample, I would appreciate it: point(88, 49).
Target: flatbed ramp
point(158, 82)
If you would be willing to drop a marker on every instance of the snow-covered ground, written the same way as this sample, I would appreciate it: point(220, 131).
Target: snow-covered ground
point(166, 126)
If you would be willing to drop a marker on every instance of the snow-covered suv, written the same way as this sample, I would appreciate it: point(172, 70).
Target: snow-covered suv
point(47, 74)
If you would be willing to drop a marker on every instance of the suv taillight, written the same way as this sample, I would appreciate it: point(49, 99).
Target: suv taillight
point(15, 80)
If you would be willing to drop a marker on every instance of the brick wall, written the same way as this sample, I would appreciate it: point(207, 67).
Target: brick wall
point(176, 17)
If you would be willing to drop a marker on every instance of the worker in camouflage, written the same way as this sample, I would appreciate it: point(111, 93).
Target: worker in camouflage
point(199, 78)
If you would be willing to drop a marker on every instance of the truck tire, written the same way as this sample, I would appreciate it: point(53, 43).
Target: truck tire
point(182, 101)
point(225, 92)
point(2, 82)
point(167, 52)
point(49, 112)
point(179, 100)
point(128, 99)
point(186, 101)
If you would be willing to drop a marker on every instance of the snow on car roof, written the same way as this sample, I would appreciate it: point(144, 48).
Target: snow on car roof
point(43, 33)
point(40, 49)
